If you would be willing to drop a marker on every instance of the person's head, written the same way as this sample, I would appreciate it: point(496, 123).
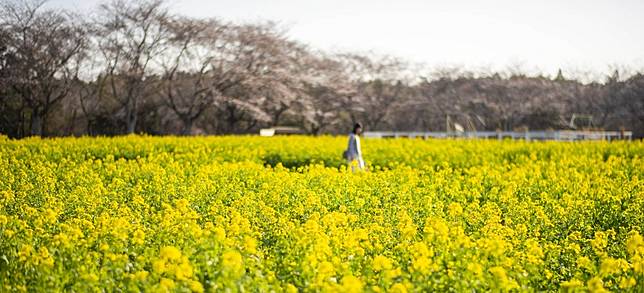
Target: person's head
point(357, 128)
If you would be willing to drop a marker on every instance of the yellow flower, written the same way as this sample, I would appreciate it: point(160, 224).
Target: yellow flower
point(422, 264)
point(571, 284)
point(325, 270)
point(220, 233)
point(534, 252)
point(610, 266)
point(250, 245)
point(182, 204)
point(502, 279)
point(393, 273)
point(436, 228)
point(635, 243)
point(638, 264)
point(585, 263)
point(626, 283)
point(9, 233)
point(475, 268)
point(380, 263)
point(50, 215)
point(141, 275)
point(167, 284)
point(137, 199)
point(595, 285)
point(138, 237)
point(62, 239)
point(351, 284)
point(291, 289)
point(170, 253)
point(183, 271)
point(195, 286)
point(548, 274)
point(600, 242)
point(24, 252)
point(574, 247)
point(48, 262)
point(232, 261)
point(159, 266)
point(43, 252)
point(91, 277)
point(398, 288)
point(455, 209)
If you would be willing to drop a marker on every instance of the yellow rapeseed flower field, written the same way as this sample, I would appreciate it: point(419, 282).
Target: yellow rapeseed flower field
point(283, 214)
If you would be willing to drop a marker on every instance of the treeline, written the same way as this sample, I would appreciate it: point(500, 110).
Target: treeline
point(135, 67)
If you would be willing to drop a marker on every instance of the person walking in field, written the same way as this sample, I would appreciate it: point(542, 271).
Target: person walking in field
point(353, 154)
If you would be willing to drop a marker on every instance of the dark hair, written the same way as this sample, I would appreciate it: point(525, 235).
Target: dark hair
point(355, 127)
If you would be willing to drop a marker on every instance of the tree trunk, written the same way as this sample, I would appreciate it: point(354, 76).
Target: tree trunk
point(187, 126)
point(131, 124)
point(21, 133)
point(278, 115)
point(70, 126)
point(36, 122)
point(131, 116)
point(315, 130)
point(44, 122)
point(89, 127)
point(232, 119)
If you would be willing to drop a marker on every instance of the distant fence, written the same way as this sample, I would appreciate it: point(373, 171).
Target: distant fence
point(561, 135)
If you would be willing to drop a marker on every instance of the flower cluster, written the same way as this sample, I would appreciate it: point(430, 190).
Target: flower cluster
point(279, 214)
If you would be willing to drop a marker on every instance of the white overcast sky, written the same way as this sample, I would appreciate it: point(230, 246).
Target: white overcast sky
point(590, 35)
